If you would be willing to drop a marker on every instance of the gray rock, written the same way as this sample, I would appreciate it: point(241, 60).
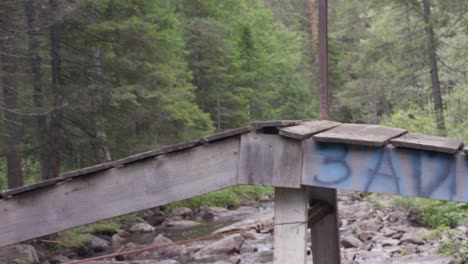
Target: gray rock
point(228, 245)
point(388, 232)
point(97, 244)
point(181, 224)
point(182, 213)
point(168, 251)
point(117, 241)
point(411, 238)
point(26, 253)
point(142, 228)
point(367, 235)
point(351, 242)
point(389, 242)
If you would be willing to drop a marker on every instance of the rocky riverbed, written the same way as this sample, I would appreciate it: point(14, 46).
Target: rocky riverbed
point(370, 233)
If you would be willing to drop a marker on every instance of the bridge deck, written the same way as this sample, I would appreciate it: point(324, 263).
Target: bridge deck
point(275, 153)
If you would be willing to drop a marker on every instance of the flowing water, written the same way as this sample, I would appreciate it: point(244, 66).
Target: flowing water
point(253, 251)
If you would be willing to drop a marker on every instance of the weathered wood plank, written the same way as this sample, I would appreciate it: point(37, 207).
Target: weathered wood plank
point(425, 142)
point(181, 146)
point(307, 129)
point(31, 187)
point(367, 135)
point(290, 240)
point(269, 160)
point(137, 157)
point(401, 171)
point(324, 234)
point(275, 123)
point(88, 170)
point(225, 134)
point(137, 186)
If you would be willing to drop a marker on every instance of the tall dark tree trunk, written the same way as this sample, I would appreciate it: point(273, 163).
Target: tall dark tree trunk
point(313, 20)
point(57, 92)
point(432, 54)
point(323, 60)
point(99, 142)
point(36, 80)
point(12, 118)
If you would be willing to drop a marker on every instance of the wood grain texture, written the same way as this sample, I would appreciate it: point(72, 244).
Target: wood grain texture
point(275, 123)
point(137, 186)
point(269, 160)
point(27, 188)
point(324, 234)
point(307, 129)
point(88, 170)
point(367, 135)
point(425, 142)
point(225, 134)
point(290, 240)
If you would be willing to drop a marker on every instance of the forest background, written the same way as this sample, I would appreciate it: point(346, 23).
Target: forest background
point(84, 82)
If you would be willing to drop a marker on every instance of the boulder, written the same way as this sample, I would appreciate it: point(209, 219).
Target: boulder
point(142, 228)
point(364, 236)
point(25, 253)
point(351, 242)
point(181, 224)
point(228, 245)
point(181, 213)
point(263, 220)
point(117, 241)
point(411, 238)
point(168, 251)
point(97, 244)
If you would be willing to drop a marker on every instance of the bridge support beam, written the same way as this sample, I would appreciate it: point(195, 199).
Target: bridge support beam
point(290, 235)
point(324, 231)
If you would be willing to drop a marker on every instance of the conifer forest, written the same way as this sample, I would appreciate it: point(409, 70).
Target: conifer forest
point(89, 81)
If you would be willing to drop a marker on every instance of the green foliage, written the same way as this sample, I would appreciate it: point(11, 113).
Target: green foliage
point(229, 198)
point(432, 213)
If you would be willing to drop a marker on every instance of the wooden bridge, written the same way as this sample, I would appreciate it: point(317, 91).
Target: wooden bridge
point(299, 158)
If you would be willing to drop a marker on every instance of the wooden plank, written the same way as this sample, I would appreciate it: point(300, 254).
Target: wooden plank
point(181, 146)
point(425, 142)
point(400, 171)
point(269, 160)
point(31, 187)
point(290, 236)
point(225, 134)
point(88, 170)
point(275, 123)
point(324, 233)
point(137, 157)
point(307, 129)
point(137, 186)
point(368, 135)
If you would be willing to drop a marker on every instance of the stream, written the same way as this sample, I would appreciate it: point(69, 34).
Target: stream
point(253, 251)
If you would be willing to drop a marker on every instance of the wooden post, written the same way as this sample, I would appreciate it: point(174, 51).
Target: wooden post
point(325, 233)
point(290, 240)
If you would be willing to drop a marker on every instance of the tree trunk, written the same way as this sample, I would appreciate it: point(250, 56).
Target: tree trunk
point(12, 118)
point(57, 92)
point(313, 21)
point(36, 80)
point(432, 54)
point(100, 139)
point(323, 59)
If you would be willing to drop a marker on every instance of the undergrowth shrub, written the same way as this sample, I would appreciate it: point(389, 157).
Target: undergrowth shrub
point(432, 213)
